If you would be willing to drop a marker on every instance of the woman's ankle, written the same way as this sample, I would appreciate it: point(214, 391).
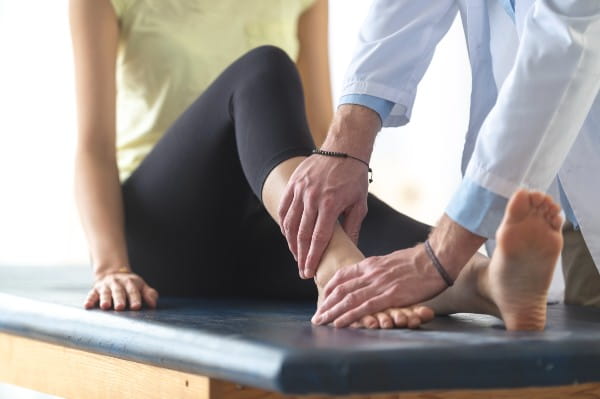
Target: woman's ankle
point(340, 253)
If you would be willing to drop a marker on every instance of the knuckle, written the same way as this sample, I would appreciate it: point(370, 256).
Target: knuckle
point(320, 236)
point(312, 196)
point(351, 299)
point(287, 225)
point(363, 210)
point(328, 202)
point(304, 234)
point(340, 292)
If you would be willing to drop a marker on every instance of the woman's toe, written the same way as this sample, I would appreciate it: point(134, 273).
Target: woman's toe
point(385, 321)
point(398, 317)
point(370, 322)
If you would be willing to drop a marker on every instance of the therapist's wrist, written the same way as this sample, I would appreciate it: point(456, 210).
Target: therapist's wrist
point(353, 131)
point(454, 245)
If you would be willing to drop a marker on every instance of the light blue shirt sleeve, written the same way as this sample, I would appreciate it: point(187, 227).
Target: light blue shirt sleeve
point(477, 209)
point(381, 106)
point(480, 210)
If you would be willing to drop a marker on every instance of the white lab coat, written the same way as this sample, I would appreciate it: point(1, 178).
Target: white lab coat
point(535, 112)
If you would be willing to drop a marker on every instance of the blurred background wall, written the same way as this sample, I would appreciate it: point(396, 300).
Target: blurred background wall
point(415, 167)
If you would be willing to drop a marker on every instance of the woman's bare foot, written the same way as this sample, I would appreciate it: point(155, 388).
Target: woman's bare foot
point(513, 285)
point(342, 252)
point(529, 241)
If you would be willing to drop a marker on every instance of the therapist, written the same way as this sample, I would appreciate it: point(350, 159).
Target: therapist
point(534, 123)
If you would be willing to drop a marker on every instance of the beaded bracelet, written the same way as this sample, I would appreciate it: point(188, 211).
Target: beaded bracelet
point(344, 155)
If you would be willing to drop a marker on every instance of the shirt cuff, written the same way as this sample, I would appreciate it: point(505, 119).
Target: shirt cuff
point(477, 209)
point(381, 106)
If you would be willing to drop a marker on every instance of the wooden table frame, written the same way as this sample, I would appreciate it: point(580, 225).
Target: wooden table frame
point(76, 374)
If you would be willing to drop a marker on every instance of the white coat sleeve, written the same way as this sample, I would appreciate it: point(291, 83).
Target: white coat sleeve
point(544, 101)
point(395, 47)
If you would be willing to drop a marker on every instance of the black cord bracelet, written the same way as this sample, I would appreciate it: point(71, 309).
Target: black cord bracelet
point(344, 155)
point(438, 265)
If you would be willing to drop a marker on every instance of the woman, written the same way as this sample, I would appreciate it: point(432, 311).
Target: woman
point(166, 205)
point(183, 205)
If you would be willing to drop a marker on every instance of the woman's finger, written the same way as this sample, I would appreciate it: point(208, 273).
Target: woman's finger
point(150, 296)
point(118, 295)
point(133, 295)
point(105, 297)
point(92, 299)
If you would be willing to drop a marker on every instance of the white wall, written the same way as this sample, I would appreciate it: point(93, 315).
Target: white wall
point(415, 167)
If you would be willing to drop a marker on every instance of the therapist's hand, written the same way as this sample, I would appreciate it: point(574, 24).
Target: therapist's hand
point(400, 279)
point(324, 188)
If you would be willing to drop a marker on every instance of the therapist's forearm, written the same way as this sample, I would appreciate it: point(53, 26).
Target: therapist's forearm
point(454, 245)
point(353, 131)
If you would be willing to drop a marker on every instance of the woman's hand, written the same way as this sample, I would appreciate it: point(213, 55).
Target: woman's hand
point(120, 289)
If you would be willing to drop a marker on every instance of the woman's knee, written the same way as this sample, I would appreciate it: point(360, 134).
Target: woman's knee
point(269, 63)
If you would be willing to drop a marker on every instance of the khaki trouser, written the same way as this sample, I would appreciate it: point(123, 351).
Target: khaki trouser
point(582, 280)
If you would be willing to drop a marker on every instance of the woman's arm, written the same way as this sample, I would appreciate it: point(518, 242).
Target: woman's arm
point(94, 29)
point(313, 64)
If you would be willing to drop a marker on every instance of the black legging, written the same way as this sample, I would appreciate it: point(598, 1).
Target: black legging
point(194, 223)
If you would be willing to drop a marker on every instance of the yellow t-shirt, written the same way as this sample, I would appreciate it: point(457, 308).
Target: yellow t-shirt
point(171, 50)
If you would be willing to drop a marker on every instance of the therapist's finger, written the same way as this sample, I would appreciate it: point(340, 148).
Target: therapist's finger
point(353, 220)
point(340, 277)
point(324, 226)
point(284, 206)
point(330, 311)
point(305, 232)
point(340, 293)
point(291, 224)
point(370, 306)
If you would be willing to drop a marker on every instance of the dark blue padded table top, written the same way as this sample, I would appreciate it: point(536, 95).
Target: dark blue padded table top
point(273, 345)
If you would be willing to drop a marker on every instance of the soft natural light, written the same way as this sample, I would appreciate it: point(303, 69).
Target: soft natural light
point(416, 167)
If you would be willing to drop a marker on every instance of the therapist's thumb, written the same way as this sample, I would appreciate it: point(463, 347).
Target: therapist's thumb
point(353, 219)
